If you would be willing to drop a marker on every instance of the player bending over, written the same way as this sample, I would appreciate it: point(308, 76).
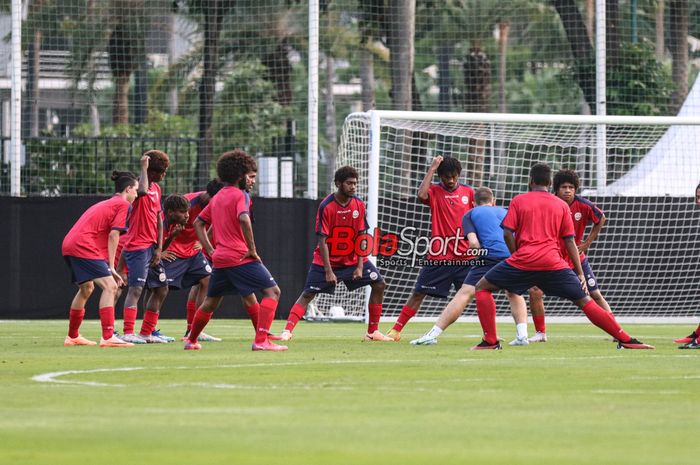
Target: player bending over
point(482, 227)
point(449, 200)
point(237, 266)
point(532, 228)
point(342, 209)
point(583, 211)
point(89, 249)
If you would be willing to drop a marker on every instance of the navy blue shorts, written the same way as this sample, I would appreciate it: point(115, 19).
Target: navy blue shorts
point(242, 280)
point(478, 271)
point(181, 273)
point(591, 282)
point(436, 280)
point(138, 261)
point(316, 279)
point(85, 269)
point(560, 283)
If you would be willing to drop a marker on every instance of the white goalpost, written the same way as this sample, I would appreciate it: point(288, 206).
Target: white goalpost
point(646, 259)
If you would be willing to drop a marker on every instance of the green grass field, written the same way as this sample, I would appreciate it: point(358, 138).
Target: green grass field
point(332, 399)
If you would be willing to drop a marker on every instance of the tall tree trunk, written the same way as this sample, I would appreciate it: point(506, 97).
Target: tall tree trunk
point(580, 43)
point(140, 102)
point(213, 19)
point(120, 109)
point(590, 19)
point(503, 28)
point(400, 41)
point(660, 45)
point(367, 79)
point(172, 93)
point(477, 94)
point(330, 120)
point(444, 81)
point(612, 33)
point(33, 76)
point(678, 45)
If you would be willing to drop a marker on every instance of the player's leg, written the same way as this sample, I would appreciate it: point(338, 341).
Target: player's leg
point(109, 291)
point(518, 309)
point(486, 311)
point(689, 338)
point(193, 303)
point(537, 310)
point(449, 315)
point(296, 313)
point(137, 262)
point(76, 315)
point(266, 314)
point(376, 300)
point(201, 318)
point(157, 291)
point(315, 283)
point(409, 310)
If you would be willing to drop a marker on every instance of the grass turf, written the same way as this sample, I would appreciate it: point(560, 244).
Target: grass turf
point(332, 399)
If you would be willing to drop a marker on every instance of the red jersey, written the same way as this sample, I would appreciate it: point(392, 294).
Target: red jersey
point(447, 209)
point(583, 212)
point(143, 225)
point(89, 236)
point(223, 214)
point(183, 244)
point(539, 220)
point(331, 215)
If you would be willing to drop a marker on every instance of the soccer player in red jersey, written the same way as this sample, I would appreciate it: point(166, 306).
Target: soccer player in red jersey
point(532, 228)
point(340, 211)
point(89, 249)
point(143, 246)
point(692, 341)
point(237, 266)
point(448, 200)
point(583, 212)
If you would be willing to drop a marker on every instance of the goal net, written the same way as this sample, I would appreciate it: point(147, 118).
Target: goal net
point(641, 172)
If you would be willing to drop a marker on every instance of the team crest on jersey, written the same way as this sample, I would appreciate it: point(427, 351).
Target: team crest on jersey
point(591, 282)
point(355, 214)
point(373, 276)
point(208, 268)
point(578, 216)
point(465, 199)
point(161, 277)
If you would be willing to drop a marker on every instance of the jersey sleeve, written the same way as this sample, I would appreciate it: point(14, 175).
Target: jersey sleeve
point(243, 204)
point(119, 221)
point(205, 215)
point(511, 220)
point(595, 213)
point(429, 200)
point(467, 224)
point(323, 226)
point(566, 228)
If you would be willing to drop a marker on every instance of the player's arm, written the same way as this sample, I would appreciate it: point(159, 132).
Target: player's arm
point(176, 229)
point(200, 228)
point(585, 245)
point(470, 231)
point(112, 244)
point(428, 179)
point(509, 237)
point(247, 228)
point(573, 253)
point(155, 260)
point(143, 177)
point(325, 256)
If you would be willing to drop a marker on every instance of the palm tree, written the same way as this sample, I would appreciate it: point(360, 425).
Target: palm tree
point(678, 45)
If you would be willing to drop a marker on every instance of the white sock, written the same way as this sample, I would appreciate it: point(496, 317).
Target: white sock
point(521, 330)
point(434, 332)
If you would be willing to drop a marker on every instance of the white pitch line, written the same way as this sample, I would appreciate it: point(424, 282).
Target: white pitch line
point(52, 377)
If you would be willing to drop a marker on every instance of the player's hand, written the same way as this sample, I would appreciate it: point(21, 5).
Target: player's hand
point(117, 277)
point(177, 229)
point(252, 254)
point(197, 246)
point(168, 256)
point(124, 278)
point(144, 161)
point(436, 162)
point(155, 259)
point(582, 278)
point(583, 248)
point(357, 274)
point(331, 278)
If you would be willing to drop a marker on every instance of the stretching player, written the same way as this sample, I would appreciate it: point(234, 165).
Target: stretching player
point(449, 201)
point(583, 212)
point(89, 249)
point(340, 211)
point(143, 246)
point(482, 227)
point(532, 228)
point(237, 266)
point(692, 341)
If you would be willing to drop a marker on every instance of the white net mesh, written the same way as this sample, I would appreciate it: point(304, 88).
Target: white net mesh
point(646, 257)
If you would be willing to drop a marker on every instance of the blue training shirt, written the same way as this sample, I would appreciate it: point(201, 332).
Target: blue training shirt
point(485, 221)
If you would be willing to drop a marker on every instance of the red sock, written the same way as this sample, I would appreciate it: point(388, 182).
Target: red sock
point(75, 319)
point(253, 313)
point(375, 314)
point(129, 319)
point(265, 317)
point(406, 314)
point(150, 320)
point(486, 310)
point(539, 323)
point(697, 330)
point(191, 309)
point(107, 321)
point(295, 314)
point(199, 321)
point(605, 321)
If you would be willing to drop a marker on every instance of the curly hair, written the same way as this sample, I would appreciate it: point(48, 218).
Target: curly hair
point(159, 161)
point(123, 180)
point(232, 165)
point(176, 202)
point(564, 176)
point(541, 174)
point(449, 165)
point(345, 173)
point(213, 187)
